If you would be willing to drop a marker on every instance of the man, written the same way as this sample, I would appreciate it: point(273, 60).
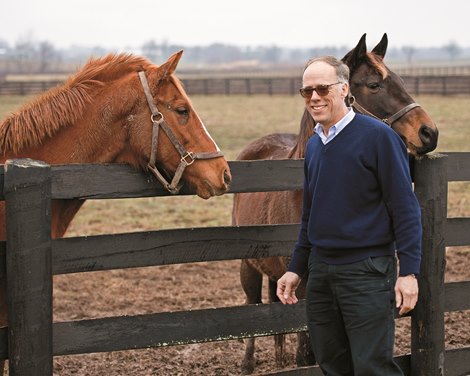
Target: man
point(358, 209)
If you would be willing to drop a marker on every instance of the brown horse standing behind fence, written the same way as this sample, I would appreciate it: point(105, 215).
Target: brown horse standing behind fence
point(115, 110)
point(378, 92)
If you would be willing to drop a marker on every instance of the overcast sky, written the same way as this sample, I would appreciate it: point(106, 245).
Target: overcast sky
point(296, 23)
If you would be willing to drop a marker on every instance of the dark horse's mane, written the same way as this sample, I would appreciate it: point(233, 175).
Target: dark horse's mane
point(64, 105)
point(306, 131)
point(307, 124)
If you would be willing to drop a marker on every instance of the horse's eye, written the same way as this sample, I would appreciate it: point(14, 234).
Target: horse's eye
point(183, 111)
point(374, 86)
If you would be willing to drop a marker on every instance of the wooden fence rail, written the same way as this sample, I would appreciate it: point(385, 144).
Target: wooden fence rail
point(430, 84)
point(30, 258)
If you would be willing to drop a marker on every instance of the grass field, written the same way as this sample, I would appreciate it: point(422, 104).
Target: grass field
point(234, 121)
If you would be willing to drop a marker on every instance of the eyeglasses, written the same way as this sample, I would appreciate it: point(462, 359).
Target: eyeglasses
point(322, 90)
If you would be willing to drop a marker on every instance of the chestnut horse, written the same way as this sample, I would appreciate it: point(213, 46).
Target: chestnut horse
point(376, 89)
point(111, 111)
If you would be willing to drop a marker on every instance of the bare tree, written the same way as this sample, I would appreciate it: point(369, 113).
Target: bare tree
point(271, 54)
point(151, 50)
point(24, 52)
point(453, 49)
point(47, 54)
point(409, 52)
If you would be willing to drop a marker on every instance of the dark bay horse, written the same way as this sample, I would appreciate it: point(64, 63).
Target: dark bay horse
point(378, 92)
point(111, 111)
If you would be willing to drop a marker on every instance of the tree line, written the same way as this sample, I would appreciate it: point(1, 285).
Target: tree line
point(31, 56)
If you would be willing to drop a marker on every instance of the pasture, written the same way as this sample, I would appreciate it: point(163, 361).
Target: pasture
point(233, 122)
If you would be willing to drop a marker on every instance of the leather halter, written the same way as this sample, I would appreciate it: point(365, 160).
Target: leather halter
point(187, 157)
point(391, 119)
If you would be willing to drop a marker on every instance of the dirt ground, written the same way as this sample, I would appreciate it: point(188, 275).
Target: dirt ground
point(193, 286)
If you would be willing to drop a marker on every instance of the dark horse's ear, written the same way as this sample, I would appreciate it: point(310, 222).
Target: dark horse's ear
point(381, 48)
point(354, 57)
point(167, 68)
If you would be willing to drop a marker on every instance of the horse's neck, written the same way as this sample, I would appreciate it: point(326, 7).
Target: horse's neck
point(307, 125)
point(74, 144)
point(63, 212)
point(297, 151)
point(84, 142)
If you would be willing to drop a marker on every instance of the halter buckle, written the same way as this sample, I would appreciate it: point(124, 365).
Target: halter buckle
point(188, 155)
point(159, 120)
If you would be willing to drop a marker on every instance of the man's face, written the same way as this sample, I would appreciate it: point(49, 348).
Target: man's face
point(328, 109)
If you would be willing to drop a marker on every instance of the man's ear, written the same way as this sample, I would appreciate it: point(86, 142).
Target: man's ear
point(345, 90)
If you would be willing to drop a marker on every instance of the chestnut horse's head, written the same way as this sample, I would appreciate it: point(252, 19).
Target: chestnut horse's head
point(381, 93)
point(168, 131)
point(122, 109)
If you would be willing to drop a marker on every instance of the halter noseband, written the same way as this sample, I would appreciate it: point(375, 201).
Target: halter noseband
point(187, 157)
point(391, 119)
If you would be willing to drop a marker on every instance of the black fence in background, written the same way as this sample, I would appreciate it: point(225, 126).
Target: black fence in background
point(416, 85)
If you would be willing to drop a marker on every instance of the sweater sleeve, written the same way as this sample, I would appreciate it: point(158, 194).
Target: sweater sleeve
point(299, 260)
point(402, 204)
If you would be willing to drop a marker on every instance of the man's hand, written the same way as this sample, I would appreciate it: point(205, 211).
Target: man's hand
point(286, 286)
point(406, 293)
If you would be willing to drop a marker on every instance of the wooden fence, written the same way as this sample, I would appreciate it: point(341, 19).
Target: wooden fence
point(442, 85)
point(30, 258)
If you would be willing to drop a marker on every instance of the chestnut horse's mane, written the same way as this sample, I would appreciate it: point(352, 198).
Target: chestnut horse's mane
point(64, 105)
point(307, 123)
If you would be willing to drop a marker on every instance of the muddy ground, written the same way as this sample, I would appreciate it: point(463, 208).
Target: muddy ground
point(193, 286)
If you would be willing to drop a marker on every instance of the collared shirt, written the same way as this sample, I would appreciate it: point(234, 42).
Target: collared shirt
point(335, 129)
point(358, 199)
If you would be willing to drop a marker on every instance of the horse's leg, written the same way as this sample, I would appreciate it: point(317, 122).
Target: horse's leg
point(252, 283)
point(279, 339)
point(3, 307)
point(63, 212)
point(304, 355)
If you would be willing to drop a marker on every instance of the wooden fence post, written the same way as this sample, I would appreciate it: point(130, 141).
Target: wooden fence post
point(427, 320)
point(444, 85)
point(27, 190)
point(248, 86)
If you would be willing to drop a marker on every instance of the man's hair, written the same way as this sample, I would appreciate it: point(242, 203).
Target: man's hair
point(342, 70)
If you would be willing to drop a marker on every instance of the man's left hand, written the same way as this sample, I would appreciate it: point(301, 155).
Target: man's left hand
point(406, 293)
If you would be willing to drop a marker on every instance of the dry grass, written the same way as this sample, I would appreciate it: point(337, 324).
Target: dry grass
point(234, 121)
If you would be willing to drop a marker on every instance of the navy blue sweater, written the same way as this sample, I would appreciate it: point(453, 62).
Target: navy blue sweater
point(358, 200)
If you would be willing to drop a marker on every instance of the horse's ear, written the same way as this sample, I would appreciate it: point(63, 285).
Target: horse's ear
point(354, 57)
point(170, 65)
point(381, 48)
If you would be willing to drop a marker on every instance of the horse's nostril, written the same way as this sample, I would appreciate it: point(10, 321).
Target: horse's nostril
point(227, 178)
point(425, 133)
point(428, 137)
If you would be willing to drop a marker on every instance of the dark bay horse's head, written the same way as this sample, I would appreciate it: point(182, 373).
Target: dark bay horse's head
point(169, 133)
point(380, 92)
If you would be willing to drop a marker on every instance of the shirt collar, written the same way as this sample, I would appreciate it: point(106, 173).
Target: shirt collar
point(339, 126)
